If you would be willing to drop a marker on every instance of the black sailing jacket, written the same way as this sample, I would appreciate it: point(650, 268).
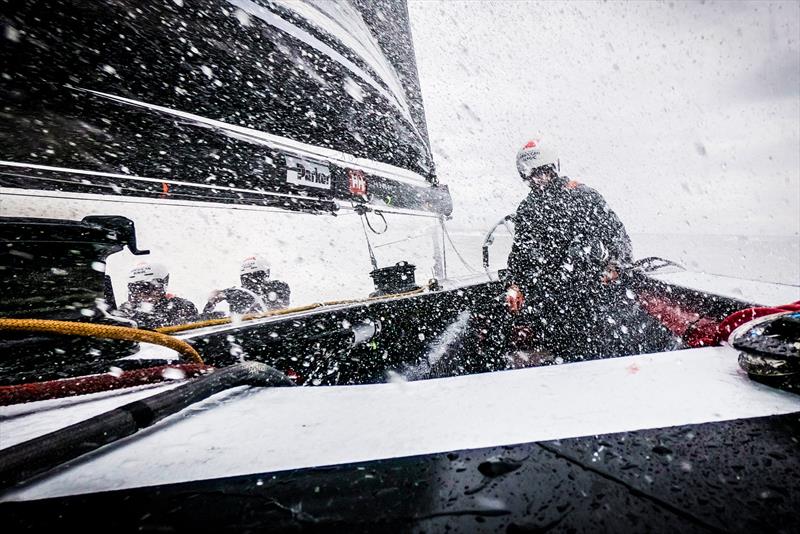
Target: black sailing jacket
point(168, 311)
point(566, 236)
point(565, 233)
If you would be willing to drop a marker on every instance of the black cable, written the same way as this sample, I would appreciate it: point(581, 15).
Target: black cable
point(38, 455)
point(648, 265)
point(385, 224)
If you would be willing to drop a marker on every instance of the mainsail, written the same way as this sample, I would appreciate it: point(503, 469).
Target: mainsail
point(303, 105)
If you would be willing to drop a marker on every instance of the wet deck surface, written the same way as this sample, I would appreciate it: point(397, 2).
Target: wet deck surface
point(729, 476)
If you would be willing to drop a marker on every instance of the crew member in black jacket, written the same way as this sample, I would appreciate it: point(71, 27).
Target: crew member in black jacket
point(569, 248)
point(149, 304)
point(257, 294)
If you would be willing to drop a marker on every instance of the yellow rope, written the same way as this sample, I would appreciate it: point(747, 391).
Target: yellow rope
point(71, 328)
point(160, 335)
point(285, 311)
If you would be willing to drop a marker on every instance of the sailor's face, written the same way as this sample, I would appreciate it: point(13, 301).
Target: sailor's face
point(538, 178)
point(254, 280)
point(145, 292)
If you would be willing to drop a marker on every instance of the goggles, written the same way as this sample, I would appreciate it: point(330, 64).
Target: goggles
point(146, 288)
point(258, 277)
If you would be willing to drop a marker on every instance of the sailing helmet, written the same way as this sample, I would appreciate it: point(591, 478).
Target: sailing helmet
point(154, 273)
point(147, 281)
point(533, 156)
point(254, 265)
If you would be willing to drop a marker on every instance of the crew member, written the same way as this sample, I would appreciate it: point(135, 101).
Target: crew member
point(149, 304)
point(568, 250)
point(257, 294)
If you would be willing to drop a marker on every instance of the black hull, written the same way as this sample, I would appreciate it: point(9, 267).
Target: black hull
point(715, 477)
point(469, 326)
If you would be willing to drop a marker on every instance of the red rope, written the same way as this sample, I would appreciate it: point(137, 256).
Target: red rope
point(83, 385)
point(737, 319)
point(672, 315)
point(699, 331)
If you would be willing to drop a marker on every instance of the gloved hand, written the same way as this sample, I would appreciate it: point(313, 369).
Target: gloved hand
point(214, 298)
point(611, 273)
point(514, 299)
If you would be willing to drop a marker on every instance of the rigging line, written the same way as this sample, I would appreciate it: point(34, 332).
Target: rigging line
point(369, 245)
point(280, 144)
point(444, 250)
point(99, 197)
point(460, 257)
point(407, 238)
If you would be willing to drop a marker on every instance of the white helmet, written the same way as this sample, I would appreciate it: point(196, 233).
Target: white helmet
point(532, 156)
point(254, 264)
point(149, 272)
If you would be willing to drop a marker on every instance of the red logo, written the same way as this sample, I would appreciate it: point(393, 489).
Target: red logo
point(530, 144)
point(357, 182)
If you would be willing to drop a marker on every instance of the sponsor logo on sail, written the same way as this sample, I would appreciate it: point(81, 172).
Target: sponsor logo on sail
point(307, 173)
point(357, 182)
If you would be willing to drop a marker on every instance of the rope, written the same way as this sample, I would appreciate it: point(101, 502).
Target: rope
point(225, 320)
point(124, 333)
point(285, 311)
point(444, 249)
point(403, 240)
point(460, 257)
point(385, 224)
point(83, 385)
point(369, 245)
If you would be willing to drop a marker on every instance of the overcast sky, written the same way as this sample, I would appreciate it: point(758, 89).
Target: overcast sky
point(685, 116)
